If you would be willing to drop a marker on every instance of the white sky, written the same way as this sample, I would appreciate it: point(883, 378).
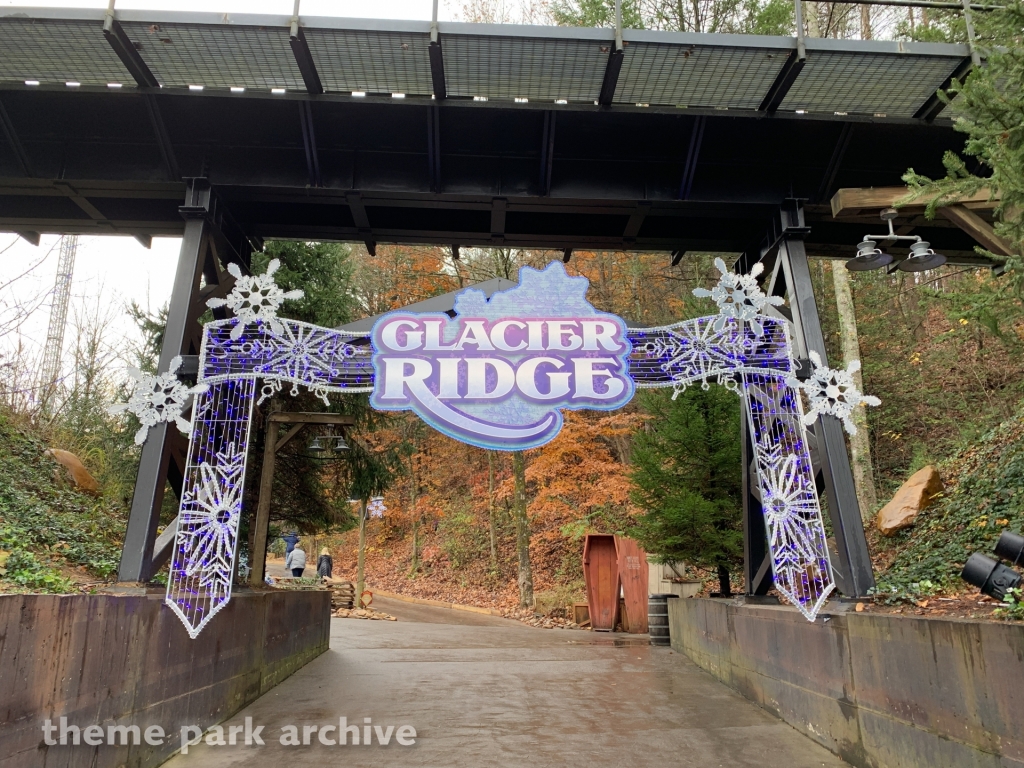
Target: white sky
point(377, 9)
point(117, 270)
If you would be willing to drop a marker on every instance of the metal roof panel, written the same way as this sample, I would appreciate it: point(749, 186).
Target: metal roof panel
point(58, 51)
point(697, 75)
point(371, 61)
point(216, 55)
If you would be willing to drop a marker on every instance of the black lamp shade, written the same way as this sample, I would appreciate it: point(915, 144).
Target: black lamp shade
point(992, 578)
point(1011, 547)
point(921, 259)
point(867, 263)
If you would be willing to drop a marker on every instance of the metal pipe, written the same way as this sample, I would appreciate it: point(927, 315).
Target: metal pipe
point(964, 6)
point(969, 22)
point(798, 15)
point(618, 24)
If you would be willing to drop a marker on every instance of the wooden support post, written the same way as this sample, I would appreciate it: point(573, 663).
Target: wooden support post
point(259, 549)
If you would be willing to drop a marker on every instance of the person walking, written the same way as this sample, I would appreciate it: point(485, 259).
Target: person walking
point(324, 564)
point(295, 561)
point(289, 543)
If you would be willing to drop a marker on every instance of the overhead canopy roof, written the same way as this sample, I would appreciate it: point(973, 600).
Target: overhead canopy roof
point(497, 62)
point(488, 135)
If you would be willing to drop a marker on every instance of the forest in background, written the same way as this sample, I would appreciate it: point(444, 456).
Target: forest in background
point(941, 349)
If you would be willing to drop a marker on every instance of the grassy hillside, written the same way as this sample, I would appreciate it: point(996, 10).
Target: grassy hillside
point(53, 538)
point(984, 495)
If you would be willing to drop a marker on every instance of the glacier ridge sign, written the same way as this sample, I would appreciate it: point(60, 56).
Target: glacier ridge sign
point(499, 373)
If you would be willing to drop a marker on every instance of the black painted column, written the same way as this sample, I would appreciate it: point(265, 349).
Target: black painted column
point(757, 570)
point(854, 566)
point(165, 448)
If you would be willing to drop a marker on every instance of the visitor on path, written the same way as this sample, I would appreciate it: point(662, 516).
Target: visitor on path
point(289, 543)
point(296, 561)
point(324, 564)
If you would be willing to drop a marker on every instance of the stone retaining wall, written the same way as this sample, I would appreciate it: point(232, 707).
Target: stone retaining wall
point(123, 660)
point(880, 691)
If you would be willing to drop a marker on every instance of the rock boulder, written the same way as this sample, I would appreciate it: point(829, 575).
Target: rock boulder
point(913, 496)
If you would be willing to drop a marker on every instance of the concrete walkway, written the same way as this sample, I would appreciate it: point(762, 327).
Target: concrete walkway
point(485, 691)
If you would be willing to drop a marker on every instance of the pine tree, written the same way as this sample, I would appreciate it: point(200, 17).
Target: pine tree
point(990, 110)
point(688, 479)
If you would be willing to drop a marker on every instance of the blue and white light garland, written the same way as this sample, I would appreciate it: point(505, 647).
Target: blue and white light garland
point(740, 348)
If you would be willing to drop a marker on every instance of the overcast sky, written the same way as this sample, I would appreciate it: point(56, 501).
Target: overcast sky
point(378, 9)
point(117, 270)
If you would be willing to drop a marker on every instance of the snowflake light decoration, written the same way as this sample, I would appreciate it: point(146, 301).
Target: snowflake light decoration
point(157, 399)
point(252, 355)
point(255, 298)
point(739, 297)
point(833, 392)
point(207, 538)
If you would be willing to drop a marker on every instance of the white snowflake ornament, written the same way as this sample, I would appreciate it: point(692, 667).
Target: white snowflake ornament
point(255, 298)
point(833, 392)
point(376, 507)
point(157, 399)
point(739, 297)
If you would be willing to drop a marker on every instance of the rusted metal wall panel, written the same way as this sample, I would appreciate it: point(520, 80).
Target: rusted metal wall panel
point(122, 660)
point(632, 565)
point(877, 690)
point(601, 573)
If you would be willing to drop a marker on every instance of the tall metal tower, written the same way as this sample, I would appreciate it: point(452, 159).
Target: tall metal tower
point(58, 319)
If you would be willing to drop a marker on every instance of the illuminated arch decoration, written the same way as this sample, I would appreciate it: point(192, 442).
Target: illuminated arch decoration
point(741, 348)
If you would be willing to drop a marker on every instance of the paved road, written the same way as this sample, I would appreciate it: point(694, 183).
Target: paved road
point(484, 691)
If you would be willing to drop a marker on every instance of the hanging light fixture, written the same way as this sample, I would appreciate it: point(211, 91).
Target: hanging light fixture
point(340, 445)
point(869, 257)
point(316, 446)
point(921, 258)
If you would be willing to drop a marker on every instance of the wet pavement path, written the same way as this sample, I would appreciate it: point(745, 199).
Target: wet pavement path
point(485, 691)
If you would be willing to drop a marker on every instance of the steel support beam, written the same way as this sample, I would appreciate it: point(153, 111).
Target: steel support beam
point(783, 81)
point(692, 156)
point(611, 77)
point(362, 221)
point(499, 206)
point(547, 153)
point(304, 59)
point(206, 243)
point(437, 65)
point(309, 144)
point(854, 564)
point(757, 570)
point(434, 148)
point(126, 52)
point(934, 105)
point(24, 164)
point(828, 180)
point(82, 202)
point(636, 221)
point(163, 139)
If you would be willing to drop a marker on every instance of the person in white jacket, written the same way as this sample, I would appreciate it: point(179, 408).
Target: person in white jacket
point(296, 561)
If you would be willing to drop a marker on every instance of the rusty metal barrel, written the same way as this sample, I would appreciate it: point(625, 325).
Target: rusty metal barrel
point(657, 618)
